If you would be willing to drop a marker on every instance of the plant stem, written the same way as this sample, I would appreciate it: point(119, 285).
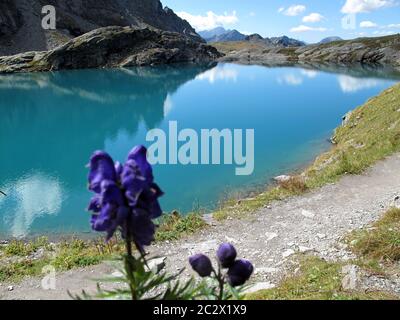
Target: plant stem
point(128, 245)
point(221, 289)
point(221, 282)
point(128, 264)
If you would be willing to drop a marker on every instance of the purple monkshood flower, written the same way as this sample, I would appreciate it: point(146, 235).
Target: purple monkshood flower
point(101, 168)
point(201, 264)
point(226, 255)
point(126, 196)
point(239, 272)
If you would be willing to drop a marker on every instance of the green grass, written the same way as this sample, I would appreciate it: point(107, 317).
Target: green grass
point(174, 226)
point(79, 253)
point(378, 247)
point(21, 249)
point(371, 134)
point(17, 262)
point(316, 280)
point(17, 258)
point(241, 208)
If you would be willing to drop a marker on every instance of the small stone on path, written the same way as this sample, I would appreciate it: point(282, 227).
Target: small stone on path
point(288, 253)
point(307, 214)
point(271, 235)
point(260, 286)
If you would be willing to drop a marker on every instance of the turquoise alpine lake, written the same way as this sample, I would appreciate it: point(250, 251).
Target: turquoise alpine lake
point(50, 124)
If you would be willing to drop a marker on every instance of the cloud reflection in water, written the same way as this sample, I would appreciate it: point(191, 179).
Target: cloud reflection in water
point(351, 84)
point(31, 197)
point(220, 72)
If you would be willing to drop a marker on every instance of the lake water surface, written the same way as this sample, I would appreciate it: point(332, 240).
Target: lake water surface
point(50, 123)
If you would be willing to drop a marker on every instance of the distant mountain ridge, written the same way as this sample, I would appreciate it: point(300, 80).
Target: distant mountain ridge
point(330, 39)
point(283, 41)
point(21, 30)
point(231, 35)
point(208, 34)
point(220, 34)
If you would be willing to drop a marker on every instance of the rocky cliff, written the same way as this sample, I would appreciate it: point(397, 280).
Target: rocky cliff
point(379, 50)
point(113, 47)
point(21, 30)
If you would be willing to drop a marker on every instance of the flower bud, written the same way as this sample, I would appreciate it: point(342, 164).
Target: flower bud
point(239, 272)
point(201, 264)
point(226, 254)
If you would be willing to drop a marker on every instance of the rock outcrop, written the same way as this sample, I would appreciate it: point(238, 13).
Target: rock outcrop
point(113, 47)
point(363, 50)
point(255, 37)
point(21, 28)
point(367, 51)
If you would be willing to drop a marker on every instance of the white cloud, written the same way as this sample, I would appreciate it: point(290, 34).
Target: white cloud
point(210, 20)
point(293, 10)
point(383, 33)
point(357, 6)
point(303, 28)
point(393, 25)
point(368, 24)
point(313, 17)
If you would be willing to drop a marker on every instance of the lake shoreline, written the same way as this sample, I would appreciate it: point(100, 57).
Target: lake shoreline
point(380, 170)
point(59, 236)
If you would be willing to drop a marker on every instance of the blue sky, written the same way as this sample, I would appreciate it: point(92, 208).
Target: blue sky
point(309, 21)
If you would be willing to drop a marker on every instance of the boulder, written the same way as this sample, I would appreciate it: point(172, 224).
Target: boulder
point(282, 178)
